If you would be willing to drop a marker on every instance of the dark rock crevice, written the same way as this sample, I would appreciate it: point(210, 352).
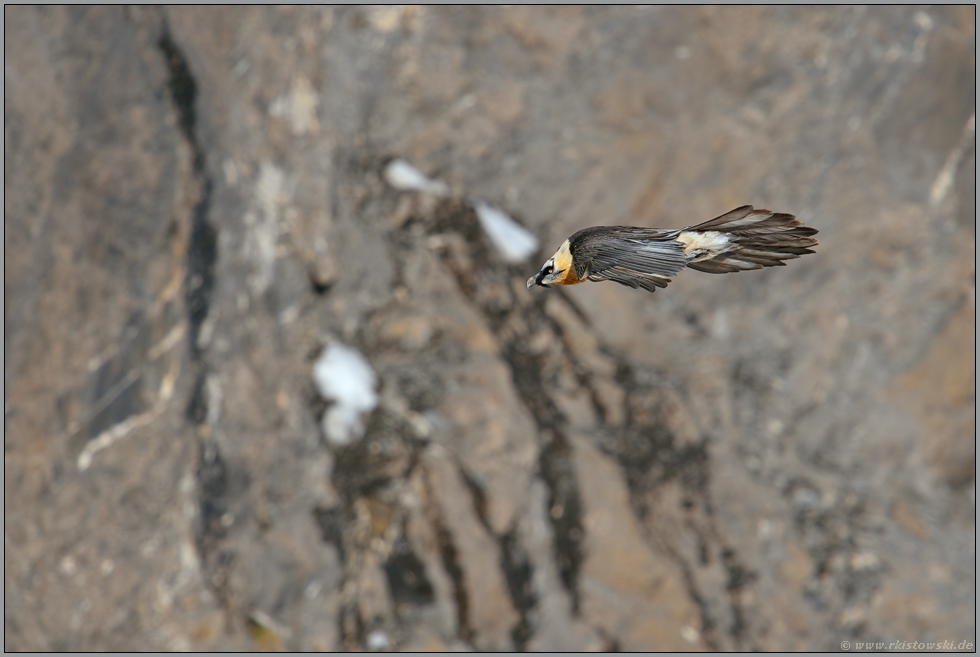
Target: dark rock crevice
point(518, 572)
point(451, 563)
point(202, 247)
point(407, 579)
point(565, 511)
point(199, 281)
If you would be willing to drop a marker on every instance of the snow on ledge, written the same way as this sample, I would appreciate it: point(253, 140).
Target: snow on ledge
point(403, 176)
point(342, 375)
point(515, 242)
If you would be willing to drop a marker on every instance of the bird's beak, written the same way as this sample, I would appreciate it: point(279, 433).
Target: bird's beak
point(536, 280)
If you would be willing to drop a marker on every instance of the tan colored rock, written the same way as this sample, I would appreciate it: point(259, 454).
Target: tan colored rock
point(629, 589)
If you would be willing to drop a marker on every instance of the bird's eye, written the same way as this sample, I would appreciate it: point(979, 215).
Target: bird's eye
point(549, 270)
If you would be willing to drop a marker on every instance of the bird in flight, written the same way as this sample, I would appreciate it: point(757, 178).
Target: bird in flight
point(742, 239)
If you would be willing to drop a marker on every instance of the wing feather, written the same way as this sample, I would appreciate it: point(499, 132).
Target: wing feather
point(635, 257)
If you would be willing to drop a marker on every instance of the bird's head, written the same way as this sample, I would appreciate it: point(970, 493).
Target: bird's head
point(546, 276)
point(555, 270)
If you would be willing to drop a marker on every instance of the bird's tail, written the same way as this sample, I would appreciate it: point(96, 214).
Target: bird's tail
point(756, 239)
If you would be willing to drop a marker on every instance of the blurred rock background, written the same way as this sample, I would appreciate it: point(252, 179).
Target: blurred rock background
point(194, 208)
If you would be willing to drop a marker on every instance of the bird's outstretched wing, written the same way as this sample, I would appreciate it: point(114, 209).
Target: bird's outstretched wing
point(636, 257)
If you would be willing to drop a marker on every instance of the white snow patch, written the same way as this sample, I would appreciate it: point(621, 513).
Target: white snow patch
point(514, 242)
point(402, 175)
point(377, 640)
point(342, 375)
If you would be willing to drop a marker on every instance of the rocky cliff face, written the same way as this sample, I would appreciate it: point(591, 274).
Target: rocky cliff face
point(195, 207)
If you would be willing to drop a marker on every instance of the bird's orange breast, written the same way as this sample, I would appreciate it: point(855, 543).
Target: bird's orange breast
point(569, 277)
